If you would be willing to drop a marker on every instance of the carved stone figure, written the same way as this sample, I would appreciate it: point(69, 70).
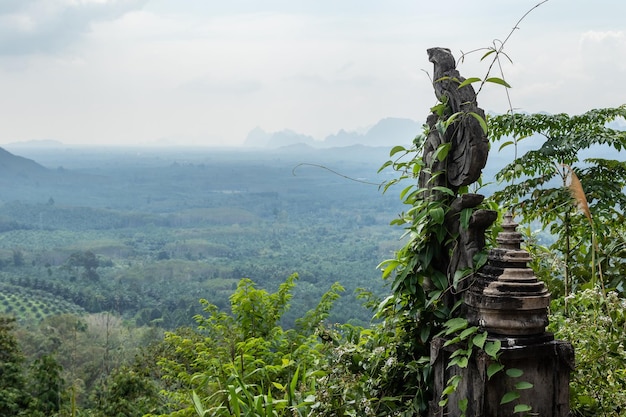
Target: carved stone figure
point(470, 146)
point(463, 165)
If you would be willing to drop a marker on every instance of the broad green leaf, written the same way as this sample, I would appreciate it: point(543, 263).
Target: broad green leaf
point(481, 120)
point(479, 340)
point(437, 215)
point(493, 369)
point(459, 276)
point(451, 119)
point(455, 324)
point(480, 259)
point(442, 151)
point(445, 190)
point(396, 149)
point(452, 341)
point(460, 361)
point(391, 266)
point(439, 280)
point(522, 408)
point(523, 385)
point(493, 348)
point(467, 332)
point(424, 333)
point(509, 396)
point(514, 372)
point(469, 81)
point(497, 80)
point(463, 404)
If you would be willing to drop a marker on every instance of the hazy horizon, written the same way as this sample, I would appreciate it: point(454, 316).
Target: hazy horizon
point(144, 72)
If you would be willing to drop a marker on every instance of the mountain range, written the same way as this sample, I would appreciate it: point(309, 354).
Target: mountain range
point(387, 132)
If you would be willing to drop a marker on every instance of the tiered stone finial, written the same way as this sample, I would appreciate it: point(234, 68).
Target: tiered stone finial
point(507, 299)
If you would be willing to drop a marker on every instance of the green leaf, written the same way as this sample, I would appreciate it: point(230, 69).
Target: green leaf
point(197, 404)
point(522, 408)
point(480, 259)
point(445, 190)
point(497, 80)
point(466, 215)
point(424, 334)
point(460, 361)
point(442, 151)
point(455, 324)
point(493, 369)
point(463, 404)
point(481, 120)
point(439, 280)
point(479, 340)
point(491, 51)
point(385, 165)
point(391, 266)
point(523, 385)
point(437, 215)
point(469, 81)
point(493, 348)
point(396, 149)
point(505, 144)
point(509, 396)
point(514, 372)
point(467, 332)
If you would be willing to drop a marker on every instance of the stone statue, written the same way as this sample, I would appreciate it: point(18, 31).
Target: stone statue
point(470, 146)
point(463, 165)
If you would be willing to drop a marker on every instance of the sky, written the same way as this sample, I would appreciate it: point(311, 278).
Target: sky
point(202, 72)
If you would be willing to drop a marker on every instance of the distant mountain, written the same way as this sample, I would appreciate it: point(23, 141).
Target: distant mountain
point(387, 132)
point(17, 166)
point(258, 138)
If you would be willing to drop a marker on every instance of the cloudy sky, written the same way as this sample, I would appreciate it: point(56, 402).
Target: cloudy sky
point(207, 72)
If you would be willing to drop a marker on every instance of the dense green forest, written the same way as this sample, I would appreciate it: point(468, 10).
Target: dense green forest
point(147, 236)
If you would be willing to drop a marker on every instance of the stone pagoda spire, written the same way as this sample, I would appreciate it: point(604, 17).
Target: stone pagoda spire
point(507, 299)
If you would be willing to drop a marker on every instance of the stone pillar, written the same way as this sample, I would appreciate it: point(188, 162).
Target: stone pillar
point(508, 302)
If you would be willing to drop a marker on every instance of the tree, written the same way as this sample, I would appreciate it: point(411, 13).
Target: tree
point(537, 188)
point(47, 385)
point(246, 361)
point(128, 393)
point(86, 260)
point(13, 395)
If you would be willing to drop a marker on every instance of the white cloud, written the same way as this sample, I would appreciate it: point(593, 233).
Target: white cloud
point(48, 26)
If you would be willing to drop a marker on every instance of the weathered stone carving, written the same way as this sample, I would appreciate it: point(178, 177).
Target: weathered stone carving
point(470, 147)
point(466, 158)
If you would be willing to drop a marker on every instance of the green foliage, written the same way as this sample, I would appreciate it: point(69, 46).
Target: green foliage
point(127, 393)
point(13, 395)
point(245, 363)
point(537, 187)
point(596, 325)
point(47, 386)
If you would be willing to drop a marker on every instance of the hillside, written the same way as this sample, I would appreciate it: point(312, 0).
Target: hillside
point(16, 166)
